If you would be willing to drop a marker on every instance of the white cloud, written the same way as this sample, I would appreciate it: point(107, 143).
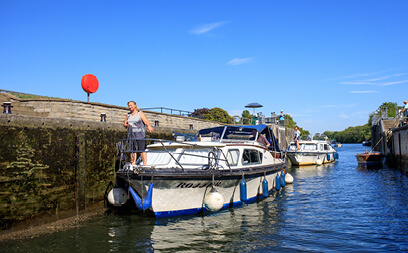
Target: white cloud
point(363, 91)
point(238, 61)
point(392, 83)
point(206, 28)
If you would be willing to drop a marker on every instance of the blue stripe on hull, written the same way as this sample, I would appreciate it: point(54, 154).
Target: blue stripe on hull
point(203, 210)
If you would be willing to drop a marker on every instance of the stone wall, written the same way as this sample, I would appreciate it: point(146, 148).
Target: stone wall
point(50, 165)
point(90, 111)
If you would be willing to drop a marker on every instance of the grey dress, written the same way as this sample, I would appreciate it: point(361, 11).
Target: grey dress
point(136, 130)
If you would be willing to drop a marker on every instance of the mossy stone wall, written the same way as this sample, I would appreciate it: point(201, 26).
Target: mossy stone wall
point(53, 165)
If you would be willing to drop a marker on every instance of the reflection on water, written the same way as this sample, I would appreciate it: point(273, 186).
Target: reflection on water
point(333, 207)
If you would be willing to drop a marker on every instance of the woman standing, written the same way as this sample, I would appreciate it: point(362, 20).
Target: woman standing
point(135, 123)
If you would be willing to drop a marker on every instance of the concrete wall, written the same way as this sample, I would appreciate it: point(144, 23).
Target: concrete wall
point(399, 149)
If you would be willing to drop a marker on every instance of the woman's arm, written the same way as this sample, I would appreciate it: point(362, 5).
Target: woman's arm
point(149, 127)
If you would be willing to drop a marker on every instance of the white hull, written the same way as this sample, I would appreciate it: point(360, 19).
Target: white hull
point(309, 158)
point(177, 197)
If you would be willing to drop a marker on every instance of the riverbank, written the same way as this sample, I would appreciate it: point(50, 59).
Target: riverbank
point(49, 224)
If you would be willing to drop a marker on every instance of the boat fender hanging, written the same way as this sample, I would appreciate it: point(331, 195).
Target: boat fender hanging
point(117, 196)
point(265, 188)
point(143, 204)
point(283, 179)
point(243, 190)
point(328, 156)
point(319, 161)
point(288, 178)
point(277, 182)
point(213, 201)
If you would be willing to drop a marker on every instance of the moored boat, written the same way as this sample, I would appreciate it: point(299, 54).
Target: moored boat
point(369, 158)
point(221, 167)
point(311, 152)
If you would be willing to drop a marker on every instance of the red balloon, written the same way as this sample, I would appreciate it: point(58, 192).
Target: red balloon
point(89, 83)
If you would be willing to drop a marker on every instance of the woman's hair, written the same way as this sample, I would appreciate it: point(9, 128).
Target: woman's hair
point(137, 108)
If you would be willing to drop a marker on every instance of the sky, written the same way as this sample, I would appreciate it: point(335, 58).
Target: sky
point(328, 64)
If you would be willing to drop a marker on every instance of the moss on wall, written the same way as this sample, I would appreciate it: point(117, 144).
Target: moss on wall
point(39, 169)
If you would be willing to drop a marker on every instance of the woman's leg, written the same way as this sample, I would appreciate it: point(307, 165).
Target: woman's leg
point(144, 157)
point(133, 158)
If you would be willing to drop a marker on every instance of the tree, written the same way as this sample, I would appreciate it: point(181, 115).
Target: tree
point(218, 114)
point(246, 117)
point(290, 122)
point(389, 107)
point(200, 113)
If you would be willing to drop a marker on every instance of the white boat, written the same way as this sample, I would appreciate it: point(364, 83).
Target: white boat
point(311, 152)
point(224, 167)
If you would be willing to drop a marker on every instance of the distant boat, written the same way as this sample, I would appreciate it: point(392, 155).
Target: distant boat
point(366, 143)
point(369, 158)
point(336, 144)
point(311, 152)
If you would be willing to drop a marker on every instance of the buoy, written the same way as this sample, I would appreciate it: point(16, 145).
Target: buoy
point(117, 196)
point(288, 178)
point(143, 204)
point(213, 201)
point(277, 182)
point(265, 188)
point(243, 190)
point(319, 161)
point(283, 179)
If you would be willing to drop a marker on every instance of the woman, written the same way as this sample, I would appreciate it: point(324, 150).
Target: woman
point(135, 123)
point(297, 137)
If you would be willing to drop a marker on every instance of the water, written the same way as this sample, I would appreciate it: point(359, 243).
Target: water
point(333, 208)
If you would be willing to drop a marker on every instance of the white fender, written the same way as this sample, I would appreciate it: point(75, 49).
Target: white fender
point(117, 196)
point(288, 178)
point(213, 201)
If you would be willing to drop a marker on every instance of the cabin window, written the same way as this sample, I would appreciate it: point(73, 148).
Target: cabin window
point(232, 157)
point(292, 147)
point(310, 147)
point(326, 147)
point(251, 156)
point(158, 157)
point(194, 157)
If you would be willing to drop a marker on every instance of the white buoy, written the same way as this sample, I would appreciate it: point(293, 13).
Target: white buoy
point(213, 201)
point(288, 178)
point(319, 161)
point(117, 196)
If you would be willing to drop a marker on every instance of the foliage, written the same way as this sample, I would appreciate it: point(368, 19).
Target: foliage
point(214, 114)
point(200, 113)
point(246, 117)
point(356, 134)
point(390, 107)
point(290, 122)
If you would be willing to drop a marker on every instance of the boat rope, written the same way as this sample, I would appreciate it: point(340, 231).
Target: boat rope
point(377, 143)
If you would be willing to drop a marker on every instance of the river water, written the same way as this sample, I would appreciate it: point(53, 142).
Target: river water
point(330, 208)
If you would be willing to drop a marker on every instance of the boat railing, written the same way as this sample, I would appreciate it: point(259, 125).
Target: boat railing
point(214, 154)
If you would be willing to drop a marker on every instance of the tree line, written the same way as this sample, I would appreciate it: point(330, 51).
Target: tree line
point(355, 134)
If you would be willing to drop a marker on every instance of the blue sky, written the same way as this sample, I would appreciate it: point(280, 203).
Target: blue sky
point(326, 63)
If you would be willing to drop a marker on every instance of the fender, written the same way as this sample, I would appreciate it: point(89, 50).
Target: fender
point(143, 204)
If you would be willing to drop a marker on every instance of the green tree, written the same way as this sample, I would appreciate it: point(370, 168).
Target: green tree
point(218, 114)
point(246, 117)
point(390, 107)
point(290, 122)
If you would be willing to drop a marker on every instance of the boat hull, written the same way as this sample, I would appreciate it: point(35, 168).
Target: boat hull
point(310, 158)
point(369, 158)
point(184, 195)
